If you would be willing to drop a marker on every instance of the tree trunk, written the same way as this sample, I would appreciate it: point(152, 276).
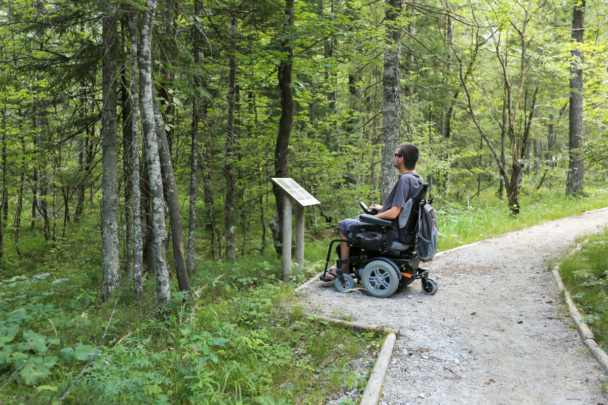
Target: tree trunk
point(34, 198)
point(391, 104)
point(281, 167)
point(80, 162)
point(194, 154)
point(111, 262)
point(163, 292)
point(3, 220)
point(65, 192)
point(228, 154)
point(19, 208)
point(576, 165)
point(135, 187)
point(172, 197)
point(127, 140)
point(209, 199)
point(503, 157)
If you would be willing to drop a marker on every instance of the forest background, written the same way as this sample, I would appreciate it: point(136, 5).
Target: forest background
point(125, 122)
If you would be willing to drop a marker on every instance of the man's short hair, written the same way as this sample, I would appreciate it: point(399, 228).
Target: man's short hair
point(410, 154)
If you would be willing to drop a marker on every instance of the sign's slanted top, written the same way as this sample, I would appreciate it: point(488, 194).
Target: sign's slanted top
point(295, 191)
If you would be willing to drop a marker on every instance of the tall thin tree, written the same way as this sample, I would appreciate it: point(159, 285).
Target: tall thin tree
point(111, 263)
point(194, 152)
point(159, 232)
point(391, 104)
point(576, 134)
point(281, 166)
point(228, 154)
point(134, 89)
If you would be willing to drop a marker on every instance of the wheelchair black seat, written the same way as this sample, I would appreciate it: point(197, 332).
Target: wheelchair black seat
point(379, 259)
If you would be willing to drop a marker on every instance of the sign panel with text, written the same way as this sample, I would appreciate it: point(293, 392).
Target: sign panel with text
point(296, 191)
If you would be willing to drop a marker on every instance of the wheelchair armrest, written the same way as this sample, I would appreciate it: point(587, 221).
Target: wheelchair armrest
point(373, 220)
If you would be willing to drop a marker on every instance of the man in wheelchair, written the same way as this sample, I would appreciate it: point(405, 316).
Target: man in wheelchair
point(388, 231)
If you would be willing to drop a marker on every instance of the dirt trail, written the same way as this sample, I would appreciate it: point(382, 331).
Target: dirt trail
point(495, 333)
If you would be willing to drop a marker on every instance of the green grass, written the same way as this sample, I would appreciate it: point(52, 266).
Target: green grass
point(585, 275)
point(490, 216)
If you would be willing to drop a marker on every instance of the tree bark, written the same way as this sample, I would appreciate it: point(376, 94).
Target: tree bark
point(228, 150)
point(111, 262)
point(159, 234)
point(576, 135)
point(135, 186)
point(391, 102)
point(19, 208)
point(172, 197)
point(281, 167)
point(194, 147)
point(127, 140)
point(3, 220)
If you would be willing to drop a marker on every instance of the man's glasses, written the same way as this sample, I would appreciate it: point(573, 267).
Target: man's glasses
point(398, 155)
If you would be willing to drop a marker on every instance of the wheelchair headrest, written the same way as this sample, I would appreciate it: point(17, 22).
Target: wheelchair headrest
point(421, 195)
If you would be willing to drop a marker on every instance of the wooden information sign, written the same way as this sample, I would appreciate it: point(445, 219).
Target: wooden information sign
point(303, 199)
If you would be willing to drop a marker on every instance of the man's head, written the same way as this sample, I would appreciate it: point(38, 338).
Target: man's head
point(408, 155)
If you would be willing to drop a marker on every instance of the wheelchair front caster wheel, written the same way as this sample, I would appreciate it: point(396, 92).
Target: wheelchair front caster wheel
point(429, 286)
point(349, 283)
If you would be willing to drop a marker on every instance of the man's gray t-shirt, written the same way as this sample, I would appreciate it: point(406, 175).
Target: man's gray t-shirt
point(401, 193)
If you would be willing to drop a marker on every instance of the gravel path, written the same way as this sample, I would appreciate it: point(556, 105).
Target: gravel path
point(495, 333)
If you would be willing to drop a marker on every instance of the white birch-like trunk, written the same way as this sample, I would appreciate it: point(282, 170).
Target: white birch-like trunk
point(228, 155)
point(159, 233)
point(390, 106)
point(137, 236)
point(109, 185)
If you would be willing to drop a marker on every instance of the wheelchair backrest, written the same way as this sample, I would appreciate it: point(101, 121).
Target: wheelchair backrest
point(411, 226)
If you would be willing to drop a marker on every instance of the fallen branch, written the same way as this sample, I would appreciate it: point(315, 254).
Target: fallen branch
point(12, 375)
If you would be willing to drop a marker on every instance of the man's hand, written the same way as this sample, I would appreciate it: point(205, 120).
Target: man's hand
point(376, 207)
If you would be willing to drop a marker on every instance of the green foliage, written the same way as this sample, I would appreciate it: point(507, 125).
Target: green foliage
point(243, 339)
point(585, 275)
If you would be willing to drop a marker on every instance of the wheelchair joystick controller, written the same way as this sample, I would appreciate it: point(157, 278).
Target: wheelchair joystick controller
point(366, 209)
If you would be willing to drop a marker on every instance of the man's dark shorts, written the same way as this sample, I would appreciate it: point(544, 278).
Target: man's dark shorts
point(346, 226)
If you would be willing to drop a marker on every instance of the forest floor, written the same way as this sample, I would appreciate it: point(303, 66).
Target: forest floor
point(497, 331)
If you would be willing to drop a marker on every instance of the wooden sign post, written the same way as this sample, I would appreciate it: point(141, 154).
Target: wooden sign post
point(303, 199)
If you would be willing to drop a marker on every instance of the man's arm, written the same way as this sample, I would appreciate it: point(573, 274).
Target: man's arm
point(390, 214)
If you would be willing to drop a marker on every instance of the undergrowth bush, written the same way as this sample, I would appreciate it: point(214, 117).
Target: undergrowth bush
point(241, 339)
point(585, 275)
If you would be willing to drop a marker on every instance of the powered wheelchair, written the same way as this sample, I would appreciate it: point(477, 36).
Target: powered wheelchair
point(390, 264)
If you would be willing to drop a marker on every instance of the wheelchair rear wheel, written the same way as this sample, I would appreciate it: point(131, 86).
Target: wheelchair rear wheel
point(349, 283)
point(380, 279)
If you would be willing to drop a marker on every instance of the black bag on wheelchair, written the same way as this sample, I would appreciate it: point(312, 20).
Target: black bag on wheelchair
point(372, 241)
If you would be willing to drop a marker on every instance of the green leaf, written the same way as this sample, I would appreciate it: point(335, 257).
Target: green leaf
point(4, 355)
point(82, 352)
point(31, 373)
point(18, 315)
point(67, 353)
point(219, 341)
point(8, 331)
point(18, 358)
point(36, 341)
